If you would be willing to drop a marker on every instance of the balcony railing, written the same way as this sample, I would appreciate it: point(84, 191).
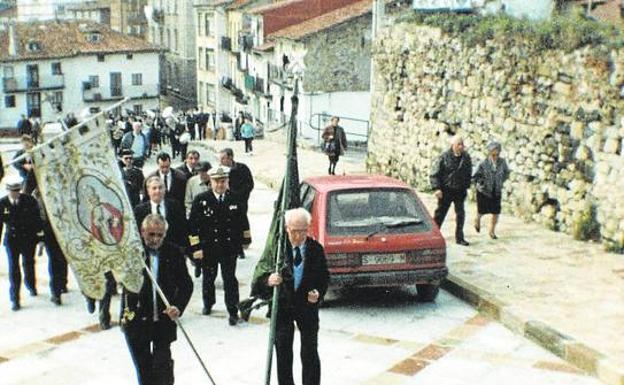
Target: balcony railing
point(226, 43)
point(24, 84)
point(97, 94)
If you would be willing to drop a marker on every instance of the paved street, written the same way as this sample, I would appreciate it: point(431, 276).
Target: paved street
point(367, 337)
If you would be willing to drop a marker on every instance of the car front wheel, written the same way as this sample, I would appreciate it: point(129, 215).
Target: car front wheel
point(427, 292)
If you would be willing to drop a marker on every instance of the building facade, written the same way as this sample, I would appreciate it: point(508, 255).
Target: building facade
point(172, 26)
point(51, 69)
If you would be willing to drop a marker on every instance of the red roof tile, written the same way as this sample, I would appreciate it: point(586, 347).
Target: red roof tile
point(324, 22)
point(269, 7)
point(67, 39)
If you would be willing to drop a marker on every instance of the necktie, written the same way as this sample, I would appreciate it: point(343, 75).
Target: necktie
point(297, 256)
point(221, 198)
point(166, 184)
point(158, 209)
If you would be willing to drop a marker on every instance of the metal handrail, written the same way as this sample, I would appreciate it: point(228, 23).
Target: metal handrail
point(322, 117)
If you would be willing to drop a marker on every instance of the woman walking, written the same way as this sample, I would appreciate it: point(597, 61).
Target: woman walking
point(334, 143)
point(489, 178)
point(247, 133)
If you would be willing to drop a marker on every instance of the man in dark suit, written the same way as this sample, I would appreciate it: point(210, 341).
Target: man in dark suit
point(304, 279)
point(174, 180)
point(149, 326)
point(217, 219)
point(171, 210)
point(132, 176)
point(25, 165)
point(241, 183)
point(188, 168)
point(20, 213)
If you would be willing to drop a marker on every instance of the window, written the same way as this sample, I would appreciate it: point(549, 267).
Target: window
point(200, 58)
point(9, 101)
point(137, 79)
point(208, 24)
point(199, 24)
point(34, 46)
point(129, 56)
point(57, 100)
point(169, 38)
point(94, 80)
point(210, 60)
point(138, 109)
point(200, 94)
point(56, 69)
point(7, 72)
point(94, 110)
point(94, 37)
point(210, 94)
point(175, 39)
point(100, 57)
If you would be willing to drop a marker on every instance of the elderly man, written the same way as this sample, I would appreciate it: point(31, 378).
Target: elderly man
point(136, 141)
point(20, 213)
point(450, 179)
point(149, 325)
point(304, 279)
point(217, 219)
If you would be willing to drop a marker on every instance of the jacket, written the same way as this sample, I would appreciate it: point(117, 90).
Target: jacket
point(450, 172)
point(177, 232)
point(490, 180)
point(23, 222)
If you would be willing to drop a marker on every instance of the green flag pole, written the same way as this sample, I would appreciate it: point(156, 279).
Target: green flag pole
point(284, 205)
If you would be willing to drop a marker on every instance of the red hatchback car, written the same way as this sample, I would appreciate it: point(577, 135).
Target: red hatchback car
point(376, 232)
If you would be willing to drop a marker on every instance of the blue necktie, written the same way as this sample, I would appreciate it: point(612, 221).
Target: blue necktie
point(298, 258)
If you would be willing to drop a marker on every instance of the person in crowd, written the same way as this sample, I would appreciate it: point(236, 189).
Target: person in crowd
point(104, 315)
point(241, 183)
point(24, 126)
point(238, 123)
point(36, 129)
point(20, 215)
point(247, 133)
point(304, 279)
point(334, 143)
point(25, 166)
point(189, 167)
point(450, 179)
point(196, 185)
point(169, 209)
point(174, 180)
point(202, 122)
point(137, 142)
point(489, 178)
point(216, 219)
point(132, 177)
point(148, 324)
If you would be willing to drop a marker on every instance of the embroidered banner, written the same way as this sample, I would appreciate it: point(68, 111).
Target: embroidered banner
point(86, 203)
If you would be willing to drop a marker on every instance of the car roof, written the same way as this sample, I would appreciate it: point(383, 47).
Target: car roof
point(347, 182)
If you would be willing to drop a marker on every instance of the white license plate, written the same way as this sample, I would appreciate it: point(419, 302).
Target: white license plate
point(383, 259)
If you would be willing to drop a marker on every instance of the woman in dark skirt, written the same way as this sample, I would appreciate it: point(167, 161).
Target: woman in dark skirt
point(491, 174)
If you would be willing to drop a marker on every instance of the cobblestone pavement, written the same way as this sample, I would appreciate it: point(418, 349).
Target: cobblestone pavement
point(567, 295)
point(367, 337)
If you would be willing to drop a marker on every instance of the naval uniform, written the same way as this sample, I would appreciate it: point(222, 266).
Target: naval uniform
point(219, 223)
point(23, 231)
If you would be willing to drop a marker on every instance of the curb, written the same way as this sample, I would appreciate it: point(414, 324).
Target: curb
point(574, 352)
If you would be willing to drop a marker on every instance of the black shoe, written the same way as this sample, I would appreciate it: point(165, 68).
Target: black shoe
point(33, 292)
point(241, 255)
point(56, 300)
point(64, 290)
point(105, 325)
point(15, 306)
point(91, 306)
point(463, 242)
point(233, 320)
point(206, 310)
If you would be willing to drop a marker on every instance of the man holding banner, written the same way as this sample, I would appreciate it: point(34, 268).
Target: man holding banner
point(148, 324)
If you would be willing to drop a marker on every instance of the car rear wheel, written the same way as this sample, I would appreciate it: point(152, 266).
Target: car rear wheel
point(427, 292)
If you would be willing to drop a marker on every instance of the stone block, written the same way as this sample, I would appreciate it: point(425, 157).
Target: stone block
point(583, 356)
point(547, 337)
point(562, 88)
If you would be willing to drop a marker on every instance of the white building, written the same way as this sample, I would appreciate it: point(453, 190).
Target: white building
point(41, 10)
point(51, 69)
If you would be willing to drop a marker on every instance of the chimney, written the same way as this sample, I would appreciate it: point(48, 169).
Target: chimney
point(12, 40)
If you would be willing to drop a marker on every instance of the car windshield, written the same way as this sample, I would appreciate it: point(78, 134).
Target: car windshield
point(368, 212)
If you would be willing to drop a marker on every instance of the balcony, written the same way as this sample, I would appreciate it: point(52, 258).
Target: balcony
point(250, 82)
point(259, 85)
point(226, 43)
point(25, 84)
point(104, 94)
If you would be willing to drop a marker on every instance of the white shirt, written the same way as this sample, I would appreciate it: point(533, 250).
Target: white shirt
point(163, 210)
point(169, 176)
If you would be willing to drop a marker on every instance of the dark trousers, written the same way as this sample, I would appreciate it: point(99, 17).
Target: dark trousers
point(201, 131)
point(457, 198)
point(27, 252)
point(151, 358)
point(308, 324)
point(230, 283)
point(333, 161)
point(104, 303)
point(57, 265)
point(248, 144)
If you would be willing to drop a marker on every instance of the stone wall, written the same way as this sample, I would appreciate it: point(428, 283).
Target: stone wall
point(338, 59)
point(557, 115)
